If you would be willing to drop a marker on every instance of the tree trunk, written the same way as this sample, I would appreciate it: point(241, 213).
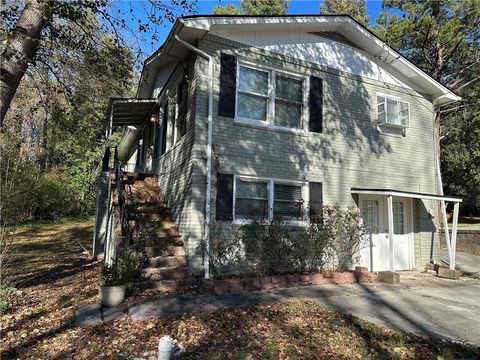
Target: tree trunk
point(21, 47)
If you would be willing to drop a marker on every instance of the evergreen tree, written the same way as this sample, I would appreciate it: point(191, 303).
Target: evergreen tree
point(355, 8)
point(254, 7)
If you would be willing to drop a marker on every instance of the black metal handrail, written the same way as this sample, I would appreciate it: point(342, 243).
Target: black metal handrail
point(106, 159)
point(119, 184)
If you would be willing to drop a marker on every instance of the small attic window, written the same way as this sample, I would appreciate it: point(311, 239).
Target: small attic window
point(335, 36)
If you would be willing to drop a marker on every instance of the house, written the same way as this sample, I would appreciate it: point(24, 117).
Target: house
point(235, 114)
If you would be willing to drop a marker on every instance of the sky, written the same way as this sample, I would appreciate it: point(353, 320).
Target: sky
point(151, 40)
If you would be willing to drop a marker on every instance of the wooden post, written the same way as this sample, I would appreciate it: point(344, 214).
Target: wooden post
point(390, 231)
point(454, 235)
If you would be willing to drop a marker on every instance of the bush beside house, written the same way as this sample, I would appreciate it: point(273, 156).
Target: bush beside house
point(265, 255)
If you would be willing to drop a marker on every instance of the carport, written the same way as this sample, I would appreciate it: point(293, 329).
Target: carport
point(451, 238)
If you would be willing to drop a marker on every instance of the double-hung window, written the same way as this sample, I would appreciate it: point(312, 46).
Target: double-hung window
point(272, 98)
point(253, 94)
point(251, 199)
point(268, 199)
point(287, 201)
point(288, 102)
point(392, 111)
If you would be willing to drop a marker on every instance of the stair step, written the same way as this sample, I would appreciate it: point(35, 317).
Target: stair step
point(165, 273)
point(168, 261)
point(153, 251)
point(171, 285)
point(161, 241)
point(155, 217)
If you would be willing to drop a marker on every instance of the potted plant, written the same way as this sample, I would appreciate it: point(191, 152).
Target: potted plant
point(116, 278)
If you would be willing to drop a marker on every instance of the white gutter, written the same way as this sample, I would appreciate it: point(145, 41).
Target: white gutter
point(206, 262)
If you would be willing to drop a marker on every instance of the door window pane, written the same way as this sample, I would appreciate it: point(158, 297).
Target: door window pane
point(398, 218)
point(370, 215)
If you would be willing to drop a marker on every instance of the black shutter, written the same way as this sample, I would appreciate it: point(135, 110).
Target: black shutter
point(224, 203)
point(315, 103)
point(182, 102)
point(316, 202)
point(228, 74)
point(156, 148)
point(164, 129)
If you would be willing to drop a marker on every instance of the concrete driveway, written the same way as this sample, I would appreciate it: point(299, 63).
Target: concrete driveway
point(450, 311)
point(468, 263)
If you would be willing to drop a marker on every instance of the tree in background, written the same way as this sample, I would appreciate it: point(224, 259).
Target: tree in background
point(53, 135)
point(43, 24)
point(442, 38)
point(355, 8)
point(228, 9)
point(61, 63)
point(254, 7)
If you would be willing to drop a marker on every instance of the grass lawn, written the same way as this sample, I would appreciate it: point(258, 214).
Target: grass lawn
point(55, 278)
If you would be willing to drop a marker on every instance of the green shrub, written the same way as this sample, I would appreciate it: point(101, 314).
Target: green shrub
point(122, 271)
point(226, 252)
point(268, 245)
point(52, 197)
point(312, 248)
point(349, 235)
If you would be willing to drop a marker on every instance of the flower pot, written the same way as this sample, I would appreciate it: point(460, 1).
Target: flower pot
point(111, 296)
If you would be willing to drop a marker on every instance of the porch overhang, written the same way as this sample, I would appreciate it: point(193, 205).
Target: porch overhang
point(451, 239)
point(407, 194)
point(130, 111)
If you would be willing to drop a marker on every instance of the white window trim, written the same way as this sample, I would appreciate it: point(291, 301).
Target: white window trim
point(270, 118)
point(395, 98)
point(270, 188)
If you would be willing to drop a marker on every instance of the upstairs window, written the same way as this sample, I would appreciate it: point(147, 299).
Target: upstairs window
point(270, 97)
point(393, 112)
point(288, 101)
point(253, 94)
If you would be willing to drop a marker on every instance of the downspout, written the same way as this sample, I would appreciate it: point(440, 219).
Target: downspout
point(206, 262)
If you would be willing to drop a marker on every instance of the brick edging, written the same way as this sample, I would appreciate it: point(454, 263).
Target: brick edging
point(220, 287)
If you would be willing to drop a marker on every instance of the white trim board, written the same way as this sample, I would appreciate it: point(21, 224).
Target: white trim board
point(406, 194)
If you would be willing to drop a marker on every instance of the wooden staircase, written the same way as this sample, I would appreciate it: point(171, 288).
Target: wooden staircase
point(164, 262)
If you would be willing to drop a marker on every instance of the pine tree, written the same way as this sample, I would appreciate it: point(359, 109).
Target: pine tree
point(355, 8)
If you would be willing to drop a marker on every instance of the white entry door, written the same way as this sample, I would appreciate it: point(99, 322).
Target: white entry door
point(376, 251)
point(401, 233)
